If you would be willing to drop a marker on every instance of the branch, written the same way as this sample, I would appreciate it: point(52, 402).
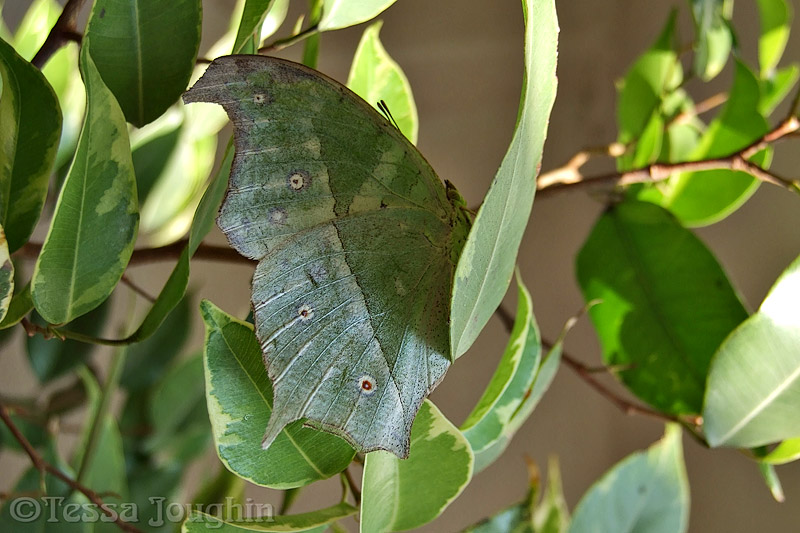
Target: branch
point(43, 466)
point(140, 256)
point(62, 32)
point(280, 44)
point(569, 175)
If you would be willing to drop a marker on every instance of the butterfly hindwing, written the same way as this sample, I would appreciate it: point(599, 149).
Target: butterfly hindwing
point(354, 236)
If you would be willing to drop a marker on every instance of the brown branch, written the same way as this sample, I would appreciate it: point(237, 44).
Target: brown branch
point(280, 44)
point(353, 487)
point(43, 466)
point(140, 256)
point(62, 32)
point(570, 177)
point(137, 289)
point(699, 108)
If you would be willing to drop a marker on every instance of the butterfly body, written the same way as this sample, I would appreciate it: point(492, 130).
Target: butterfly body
point(356, 239)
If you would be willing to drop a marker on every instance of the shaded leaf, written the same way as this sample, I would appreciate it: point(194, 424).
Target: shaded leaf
point(775, 88)
point(391, 497)
point(776, 21)
point(30, 125)
point(200, 523)
point(375, 76)
point(666, 304)
point(6, 276)
point(713, 38)
point(51, 358)
point(337, 14)
point(516, 371)
point(81, 261)
point(487, 261)
point(253, 15)
point(150, 157)
point(145, 51)
point(647, 491)
point(239, 396)
point(21, 304)
point(753, 395)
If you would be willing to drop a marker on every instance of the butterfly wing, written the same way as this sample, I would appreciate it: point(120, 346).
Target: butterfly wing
point(354, 235)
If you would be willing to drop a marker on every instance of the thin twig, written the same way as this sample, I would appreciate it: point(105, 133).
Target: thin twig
point(137, 289)
point(353, 487)
point(701, 107)
point(141, 256)
point(43, 466)
point(568, 177)
point(62, 32)
point(280, 44)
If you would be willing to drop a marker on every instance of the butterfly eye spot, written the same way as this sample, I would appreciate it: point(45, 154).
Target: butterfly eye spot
point(277, 215)
point(298, 180)
point(366, 384)
point(305, 312)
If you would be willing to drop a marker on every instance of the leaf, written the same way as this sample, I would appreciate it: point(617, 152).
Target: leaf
point(81, 261)
point(515, 373)
point(51, 358)
point(274, 18)
point(178, 413)
point(375, 76)
point(6, 276)
point(785, 452)
point(700, 198)
point(776, 21)
point(239, 399)
point(487, 261)
point(200, 523)
point(649, 81)
point(550, 515)
point(356, 239)
point(666, 304)
point(713, 38)
point(145, 51)
point(105, 469)
point(754, 384)
point(253, 16)
point(392, 499)
point(20, 305)
point(150, 158)
point(337, 14)
point(146, 361)
point(646, 491)
point(775, 89)
point(30, 125)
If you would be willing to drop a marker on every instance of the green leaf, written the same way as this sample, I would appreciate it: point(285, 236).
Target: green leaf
point(530, 515)
point(6, 276)
point(81, 260)
point(337, 14)
point(666, 304)
point(645, 492)
point(30, 125)
point(648, 147)
point(753, 395)
point(239, 396)
point(375, 76)
point(51, 358)
point(654, 75)
point(178, 413)
point(201, 523)
point(699, 198)
point(713, 37)
point(145, 51)
point(391, 495)
point(253, 16)
point(785, 452)
point(487, 261)
point(776, 21)
point(274, 18)
point(21, 304)
point(105, 469)
point(147, 361)
point(775, 89)
point(516, 371)
point(150, 158)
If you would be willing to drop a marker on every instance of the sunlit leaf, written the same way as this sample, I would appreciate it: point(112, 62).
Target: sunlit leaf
point(753, 395)
point(338, 14)
point(776, 21)
point(487, 262)
point(713, 38)
point(785, 452)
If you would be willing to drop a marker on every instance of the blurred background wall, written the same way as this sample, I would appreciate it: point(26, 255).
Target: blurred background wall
point(464, 62)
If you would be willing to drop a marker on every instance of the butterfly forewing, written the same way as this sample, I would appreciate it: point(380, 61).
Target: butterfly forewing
point(353, 233)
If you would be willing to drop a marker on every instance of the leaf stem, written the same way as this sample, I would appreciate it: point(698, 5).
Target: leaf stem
point(280, 44)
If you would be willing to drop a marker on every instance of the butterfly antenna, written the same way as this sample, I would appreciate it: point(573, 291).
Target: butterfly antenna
point(388, 114)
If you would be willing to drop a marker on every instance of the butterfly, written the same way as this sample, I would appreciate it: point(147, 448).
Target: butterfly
point(356, 240)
